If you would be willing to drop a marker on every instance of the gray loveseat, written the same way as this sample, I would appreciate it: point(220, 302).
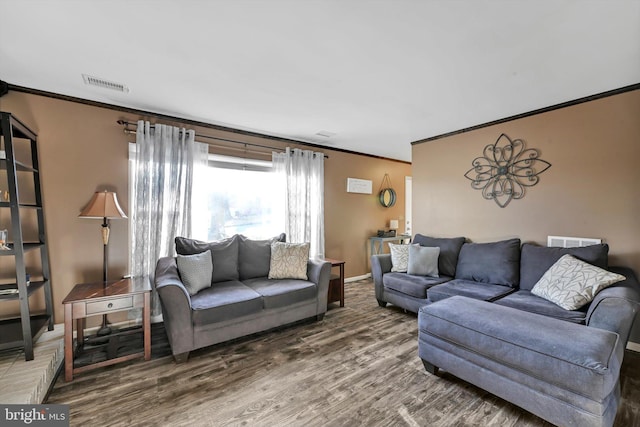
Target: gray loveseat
point(241, 300)
point(482, 323)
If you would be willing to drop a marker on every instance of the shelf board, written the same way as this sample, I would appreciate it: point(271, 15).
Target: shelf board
point(22, 167)
point(19, 129)
point(11, 330)
point(27, 247)
point(21, 205)
point(31, 288)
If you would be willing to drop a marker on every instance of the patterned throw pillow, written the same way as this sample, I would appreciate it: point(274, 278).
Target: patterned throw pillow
point(195, 271)
point(289, 260)
point(572, 283)
point(399, 257)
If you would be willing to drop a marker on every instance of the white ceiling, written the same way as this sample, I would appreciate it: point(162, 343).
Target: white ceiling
point(377, 73)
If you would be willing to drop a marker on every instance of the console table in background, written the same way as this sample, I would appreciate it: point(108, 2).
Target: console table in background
point(377, 243)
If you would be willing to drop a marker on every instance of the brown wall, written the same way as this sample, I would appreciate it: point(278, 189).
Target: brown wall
point(591, 189)
point(82, 150)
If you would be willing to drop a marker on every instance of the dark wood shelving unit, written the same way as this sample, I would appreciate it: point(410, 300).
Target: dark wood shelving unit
point(22, 331)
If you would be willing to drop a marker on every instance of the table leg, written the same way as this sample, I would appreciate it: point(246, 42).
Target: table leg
point(146, 325)
point(68, 343)
point(341, 285)
point(80, 332)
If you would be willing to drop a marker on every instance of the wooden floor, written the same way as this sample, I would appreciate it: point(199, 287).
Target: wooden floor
point(357, 367)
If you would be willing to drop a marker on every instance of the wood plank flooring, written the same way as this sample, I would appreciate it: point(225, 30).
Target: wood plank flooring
point(357, 367)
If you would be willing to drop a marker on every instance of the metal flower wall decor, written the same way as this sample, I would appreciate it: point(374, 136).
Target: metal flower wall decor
point(505, 169)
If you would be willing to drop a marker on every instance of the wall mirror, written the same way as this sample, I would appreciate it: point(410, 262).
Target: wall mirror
point(387, 197)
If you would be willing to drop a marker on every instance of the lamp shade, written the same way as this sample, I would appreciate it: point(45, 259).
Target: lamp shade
point(103, 204)
point(393, 224)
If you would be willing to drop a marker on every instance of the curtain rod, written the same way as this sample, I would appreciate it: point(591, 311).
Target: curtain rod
point(131, 131)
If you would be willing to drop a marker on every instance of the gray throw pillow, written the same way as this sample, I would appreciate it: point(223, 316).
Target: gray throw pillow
point(423, 261)
point(195, 271)
point(224, 255)
point(449, 251)
point(254, 256)
point(496, 263)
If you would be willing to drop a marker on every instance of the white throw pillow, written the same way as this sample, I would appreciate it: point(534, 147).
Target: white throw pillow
point(399, 257)
point(289, 260)
point(195, 271)
point(423, 261)
point(572, 283)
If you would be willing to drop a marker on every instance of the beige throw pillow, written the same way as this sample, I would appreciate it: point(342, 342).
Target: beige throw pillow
point(289, 260)
point(572, 283)
point(399, 257)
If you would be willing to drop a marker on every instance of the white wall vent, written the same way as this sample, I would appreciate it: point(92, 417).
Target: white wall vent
point(571, 242)
point(105, 84)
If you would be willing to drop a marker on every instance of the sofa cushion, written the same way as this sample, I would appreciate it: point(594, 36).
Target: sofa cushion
point(414, 286)
point(195, 271)
point(399, 257)
point(423, 260)
point(225, 300)
point(573, 357)
point(224, 255)
point(289, 260)
point(536, 260)
point(282, 293)
point(254, 256)
point(572, 283)
point(496, 262)
point(449, 250)
point(525, 300)
point(468, 288)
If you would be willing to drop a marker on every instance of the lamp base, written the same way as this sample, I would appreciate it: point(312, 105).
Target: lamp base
point(105, 329)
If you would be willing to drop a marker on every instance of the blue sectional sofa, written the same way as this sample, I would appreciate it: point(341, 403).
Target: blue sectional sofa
point(482, 321)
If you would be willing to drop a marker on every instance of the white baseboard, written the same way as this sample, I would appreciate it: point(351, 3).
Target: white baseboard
point(356, 278)
point(633, 346)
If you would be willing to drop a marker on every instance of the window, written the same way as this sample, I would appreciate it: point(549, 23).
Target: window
point(233, 196)
point(242, 197)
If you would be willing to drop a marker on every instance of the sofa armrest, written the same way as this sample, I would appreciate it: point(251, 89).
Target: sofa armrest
point(176, 305)
point(380, 264)
point(319, 272)
point(614, 308)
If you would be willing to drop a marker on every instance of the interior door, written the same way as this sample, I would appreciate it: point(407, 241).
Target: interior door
point(407, 205)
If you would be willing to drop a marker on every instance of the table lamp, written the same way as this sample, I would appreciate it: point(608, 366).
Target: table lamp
point(393, 226)
point(104, 205)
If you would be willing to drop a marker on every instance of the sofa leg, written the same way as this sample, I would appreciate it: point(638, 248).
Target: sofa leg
point(429, 367)
point(319, 317)
point(182, 357)
point(382, 304)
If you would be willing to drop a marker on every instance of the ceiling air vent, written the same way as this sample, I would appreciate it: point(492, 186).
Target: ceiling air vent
point(106, 84)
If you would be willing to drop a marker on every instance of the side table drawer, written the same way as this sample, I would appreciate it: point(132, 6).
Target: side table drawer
point(110, 305)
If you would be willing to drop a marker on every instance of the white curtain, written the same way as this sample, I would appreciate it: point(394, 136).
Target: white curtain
point(166, 160)
point(302, 173)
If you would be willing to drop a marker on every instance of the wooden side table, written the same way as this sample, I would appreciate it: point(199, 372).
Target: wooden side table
point(336, 283)
point(89, 299)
